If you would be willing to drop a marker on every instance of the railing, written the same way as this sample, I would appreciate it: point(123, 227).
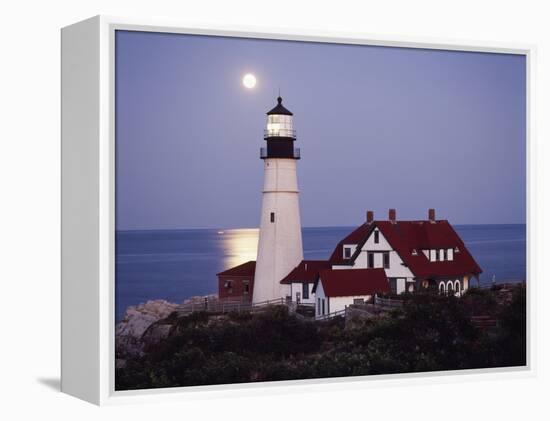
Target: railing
point(499, 284)
point(331, 315)
point(275, 301)
point(387, 302)
point(280, 133)
point(223, 306)
point(213, 307)
point(264, 154)
point(366, 309)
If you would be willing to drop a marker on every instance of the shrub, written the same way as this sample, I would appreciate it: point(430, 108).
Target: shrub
point(430, 332)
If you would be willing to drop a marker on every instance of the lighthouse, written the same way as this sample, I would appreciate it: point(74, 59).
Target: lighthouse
point(280, 240)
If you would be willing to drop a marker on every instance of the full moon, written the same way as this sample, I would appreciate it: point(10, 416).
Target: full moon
point(249, 81)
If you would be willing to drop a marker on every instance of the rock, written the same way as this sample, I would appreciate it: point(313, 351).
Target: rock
point(137, 320)
point(199, 299)
point(156, 333)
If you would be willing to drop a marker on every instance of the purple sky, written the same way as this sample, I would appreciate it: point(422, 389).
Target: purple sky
point(378, 127)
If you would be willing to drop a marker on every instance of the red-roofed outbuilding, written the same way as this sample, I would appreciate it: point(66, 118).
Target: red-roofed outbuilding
point(237, 283)
point(301, 279)
point(337, 288)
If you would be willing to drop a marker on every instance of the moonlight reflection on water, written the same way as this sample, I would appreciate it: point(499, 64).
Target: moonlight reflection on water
point(238, 246)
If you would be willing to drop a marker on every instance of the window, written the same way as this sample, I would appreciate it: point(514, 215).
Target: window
point(445, 255)
point(318, 306)
point(432, 255)
point(358, 301)
point(457, 286)
point(450, 287)
point(450, 254)
point(323, 305)
point(393, 285)
point(376, 237)
point(279, 125)
point(370, 260)
point(441, 255)
point(442, 287)
point(386, 260)
point(246, 287)
point(305, 291)
point(229, 286)
point(347, 252)
point(272, 217)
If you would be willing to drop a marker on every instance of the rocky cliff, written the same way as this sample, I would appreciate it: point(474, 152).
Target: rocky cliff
point(144, 324)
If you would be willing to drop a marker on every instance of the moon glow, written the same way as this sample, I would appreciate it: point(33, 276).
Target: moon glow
point(249, 81)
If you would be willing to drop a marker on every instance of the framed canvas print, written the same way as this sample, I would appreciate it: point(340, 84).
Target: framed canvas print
point(245, 209)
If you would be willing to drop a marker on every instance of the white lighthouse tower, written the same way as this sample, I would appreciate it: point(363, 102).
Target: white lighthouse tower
point(280, 242)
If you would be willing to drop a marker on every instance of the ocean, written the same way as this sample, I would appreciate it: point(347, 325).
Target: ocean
point(178, 264)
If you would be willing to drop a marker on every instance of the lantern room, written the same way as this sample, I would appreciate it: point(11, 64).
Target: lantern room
point(279, 122)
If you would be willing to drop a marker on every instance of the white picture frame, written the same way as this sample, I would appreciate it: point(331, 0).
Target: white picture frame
point(88, 209)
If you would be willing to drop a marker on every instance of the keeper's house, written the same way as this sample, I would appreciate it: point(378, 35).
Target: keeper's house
point(415, 255)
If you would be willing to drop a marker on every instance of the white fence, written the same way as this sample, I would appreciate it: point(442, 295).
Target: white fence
point(387, 302)
point(331, 315)
point(224, 306)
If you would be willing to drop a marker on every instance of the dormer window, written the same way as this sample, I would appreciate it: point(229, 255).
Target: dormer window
point(440, 255)
point(347, 252)
point(457, 250)
point(414, 252)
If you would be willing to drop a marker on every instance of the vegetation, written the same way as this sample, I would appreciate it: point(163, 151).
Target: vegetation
point(429, 333)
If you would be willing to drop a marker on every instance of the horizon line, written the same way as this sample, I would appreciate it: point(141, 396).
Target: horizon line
point(304, 227)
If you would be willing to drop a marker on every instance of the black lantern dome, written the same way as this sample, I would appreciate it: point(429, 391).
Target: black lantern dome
point(279, 108)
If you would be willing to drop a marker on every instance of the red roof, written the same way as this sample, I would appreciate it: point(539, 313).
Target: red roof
point(246, 269)
point(306, 272)
point(352, 282)
point(406, 236)
point(355, 237)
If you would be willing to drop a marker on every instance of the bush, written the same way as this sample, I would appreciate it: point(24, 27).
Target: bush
point(430, 332)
